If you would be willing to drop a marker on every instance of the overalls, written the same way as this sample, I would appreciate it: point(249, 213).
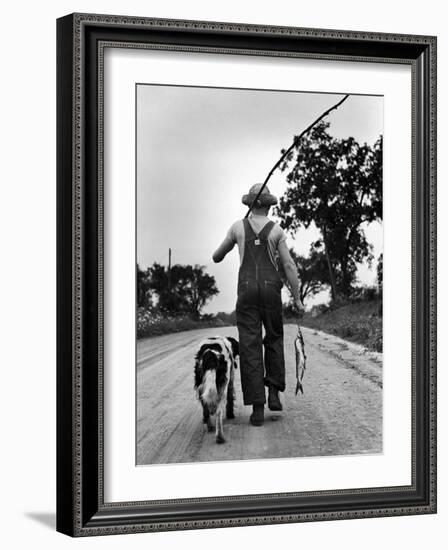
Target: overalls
point(259, 304)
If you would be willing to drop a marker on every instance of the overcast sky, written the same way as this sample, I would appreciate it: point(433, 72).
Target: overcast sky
point(200, 149)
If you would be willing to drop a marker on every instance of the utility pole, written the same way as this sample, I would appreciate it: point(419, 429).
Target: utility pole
point(169, 269)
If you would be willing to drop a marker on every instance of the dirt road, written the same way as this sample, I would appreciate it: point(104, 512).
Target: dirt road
point(339, 414)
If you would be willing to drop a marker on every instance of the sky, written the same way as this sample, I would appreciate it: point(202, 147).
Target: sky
point(200, 149)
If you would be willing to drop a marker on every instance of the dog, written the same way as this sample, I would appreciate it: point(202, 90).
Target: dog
point(214, 367)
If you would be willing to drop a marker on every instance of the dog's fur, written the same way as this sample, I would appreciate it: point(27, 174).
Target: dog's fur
point(214, 367)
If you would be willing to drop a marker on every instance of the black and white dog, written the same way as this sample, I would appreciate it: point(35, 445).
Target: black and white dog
point(213, 380)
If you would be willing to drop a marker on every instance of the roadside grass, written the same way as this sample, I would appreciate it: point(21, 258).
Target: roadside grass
point(359, 322)
point(156, 324)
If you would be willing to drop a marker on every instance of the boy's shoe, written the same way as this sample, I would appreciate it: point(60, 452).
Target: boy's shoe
point(274, 403)
point(257, 416)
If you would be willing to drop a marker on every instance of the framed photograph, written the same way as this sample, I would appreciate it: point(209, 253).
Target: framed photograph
point(246, 274)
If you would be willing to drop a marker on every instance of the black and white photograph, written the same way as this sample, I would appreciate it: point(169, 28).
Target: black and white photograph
point(259, 260)
point(220, 261)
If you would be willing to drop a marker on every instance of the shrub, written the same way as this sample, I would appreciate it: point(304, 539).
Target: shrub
point(151, 322)
point(370, 293)
point(319, 309)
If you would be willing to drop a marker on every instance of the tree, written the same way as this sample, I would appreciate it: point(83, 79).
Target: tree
point(312, 271)
point(337, 185)
point(199, 287)
point(143, 288)
point(379, 274)
point(188, 291)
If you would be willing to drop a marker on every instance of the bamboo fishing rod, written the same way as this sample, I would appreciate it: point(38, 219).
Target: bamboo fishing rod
point(290, 148)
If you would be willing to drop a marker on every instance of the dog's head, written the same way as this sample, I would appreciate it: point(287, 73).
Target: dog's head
point(211, 360)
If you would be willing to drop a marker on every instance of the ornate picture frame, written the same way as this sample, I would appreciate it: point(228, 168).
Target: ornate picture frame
point(81, 42)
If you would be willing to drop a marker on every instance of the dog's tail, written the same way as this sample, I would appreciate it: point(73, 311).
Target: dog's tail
point(209, 389)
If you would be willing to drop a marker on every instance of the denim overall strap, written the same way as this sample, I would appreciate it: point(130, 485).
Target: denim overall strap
point(257, 265)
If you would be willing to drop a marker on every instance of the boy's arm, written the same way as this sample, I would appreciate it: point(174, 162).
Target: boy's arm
point(225, 247)
point(291, 273)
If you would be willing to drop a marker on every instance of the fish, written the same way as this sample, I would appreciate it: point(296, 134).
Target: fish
point(299, 346)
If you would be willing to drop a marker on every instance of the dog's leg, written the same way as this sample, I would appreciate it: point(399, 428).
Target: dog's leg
point(230, 398)
point(206, 417)
point(219, 428)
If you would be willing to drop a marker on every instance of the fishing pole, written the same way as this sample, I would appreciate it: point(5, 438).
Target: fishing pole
point(295, 142)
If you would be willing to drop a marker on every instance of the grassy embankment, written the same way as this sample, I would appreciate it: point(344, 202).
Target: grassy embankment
point(155, 324)
point(359, 322)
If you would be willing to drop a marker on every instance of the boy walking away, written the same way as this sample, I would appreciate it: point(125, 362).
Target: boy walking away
point(259, 303)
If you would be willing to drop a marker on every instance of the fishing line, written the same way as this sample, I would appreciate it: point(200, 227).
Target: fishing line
point(290, 148)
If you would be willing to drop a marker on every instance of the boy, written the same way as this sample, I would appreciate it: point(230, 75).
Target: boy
point(259, 302)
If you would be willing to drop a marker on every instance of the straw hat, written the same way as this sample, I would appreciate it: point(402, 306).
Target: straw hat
point(265, 199)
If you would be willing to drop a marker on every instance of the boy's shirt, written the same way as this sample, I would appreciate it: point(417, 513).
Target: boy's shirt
point(275, 237)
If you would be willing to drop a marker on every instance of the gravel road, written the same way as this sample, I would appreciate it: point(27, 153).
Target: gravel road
point(339, 414)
